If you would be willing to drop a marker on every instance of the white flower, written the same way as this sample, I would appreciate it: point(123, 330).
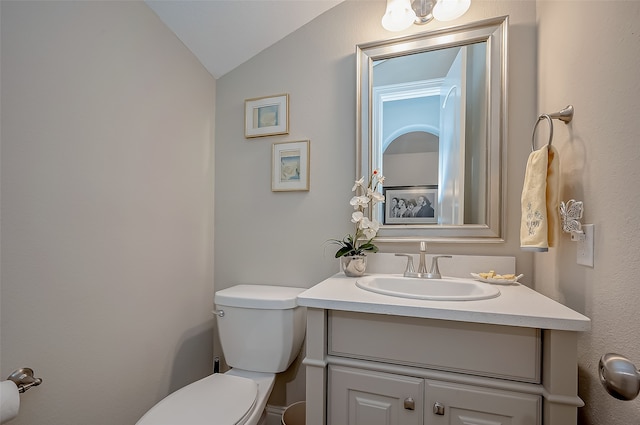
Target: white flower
point(375, 196)
point(367, 193)
point(369, 233)
point(357, 216)
point(370, 224)
point(359, 183)
point(376, 178)
point(359, 202)
point(369, 227)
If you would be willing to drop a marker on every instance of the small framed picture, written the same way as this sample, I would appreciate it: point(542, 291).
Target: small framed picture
point(266, 116)
point(411, 204)
point(290, 166)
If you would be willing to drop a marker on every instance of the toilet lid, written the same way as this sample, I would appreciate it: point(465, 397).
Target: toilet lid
point(218, 399)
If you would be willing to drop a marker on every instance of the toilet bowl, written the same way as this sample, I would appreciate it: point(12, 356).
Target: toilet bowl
point(235, 397)
point(261, 330)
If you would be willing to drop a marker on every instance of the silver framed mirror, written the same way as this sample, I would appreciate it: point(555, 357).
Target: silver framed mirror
point(431, 117)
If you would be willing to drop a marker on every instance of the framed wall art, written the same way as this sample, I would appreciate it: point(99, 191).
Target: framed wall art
point(411, 204)
point(266, 116)
point(290, 166)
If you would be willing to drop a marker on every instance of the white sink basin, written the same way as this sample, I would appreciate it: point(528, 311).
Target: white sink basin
point(445, 289)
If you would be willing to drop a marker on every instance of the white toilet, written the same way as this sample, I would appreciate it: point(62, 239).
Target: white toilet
point(261, 331)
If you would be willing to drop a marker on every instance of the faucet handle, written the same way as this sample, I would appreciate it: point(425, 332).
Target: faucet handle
point(435, 270)
point(409, 271)
point(423, 246)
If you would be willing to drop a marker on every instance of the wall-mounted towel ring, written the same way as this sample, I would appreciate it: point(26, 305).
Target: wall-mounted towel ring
point(533, 136)
point(565, 115)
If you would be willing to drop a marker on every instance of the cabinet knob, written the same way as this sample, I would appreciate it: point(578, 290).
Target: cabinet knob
point(409, 403)
point(438, 408)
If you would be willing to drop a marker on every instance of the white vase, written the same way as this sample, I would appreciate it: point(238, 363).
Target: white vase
point(353, 266)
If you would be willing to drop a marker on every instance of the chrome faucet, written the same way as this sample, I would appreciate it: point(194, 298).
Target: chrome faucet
point(423, 273)
point(409, 271)
point(434, 273)
point(422, 267)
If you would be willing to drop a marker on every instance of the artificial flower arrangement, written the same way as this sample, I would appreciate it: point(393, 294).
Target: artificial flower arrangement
point(361, 240)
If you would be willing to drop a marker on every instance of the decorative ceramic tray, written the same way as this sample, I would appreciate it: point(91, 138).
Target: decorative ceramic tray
point(496, 281)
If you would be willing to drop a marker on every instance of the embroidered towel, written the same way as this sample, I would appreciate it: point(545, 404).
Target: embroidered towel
point(540, 200)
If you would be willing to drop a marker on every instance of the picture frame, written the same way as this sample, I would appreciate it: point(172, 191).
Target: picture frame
point(290, 166)
point(403, 205)
point(266, 116)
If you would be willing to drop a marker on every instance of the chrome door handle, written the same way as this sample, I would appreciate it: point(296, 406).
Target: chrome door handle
point(438, 408)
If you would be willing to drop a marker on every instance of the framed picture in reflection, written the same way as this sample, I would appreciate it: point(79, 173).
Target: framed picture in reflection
point(411, 204)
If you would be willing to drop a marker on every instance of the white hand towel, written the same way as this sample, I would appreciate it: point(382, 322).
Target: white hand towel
point(540, 200)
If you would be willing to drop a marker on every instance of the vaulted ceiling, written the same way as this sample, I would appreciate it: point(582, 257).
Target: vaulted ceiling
point(223, 34)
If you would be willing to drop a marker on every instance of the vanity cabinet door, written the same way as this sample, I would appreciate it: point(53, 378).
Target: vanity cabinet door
point(457, 404)
point(361, 397)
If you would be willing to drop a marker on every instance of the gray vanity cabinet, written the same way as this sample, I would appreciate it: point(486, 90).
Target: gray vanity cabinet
point(375, 359)
point(456, 404)
point(377, 369)
point(359, 397)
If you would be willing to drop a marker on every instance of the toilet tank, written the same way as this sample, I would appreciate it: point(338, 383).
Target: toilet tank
point(262, 328)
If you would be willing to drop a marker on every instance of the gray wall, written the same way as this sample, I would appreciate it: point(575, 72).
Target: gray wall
point(595, 68)
point(269, 237)
point(106, 180)
point(273, 237)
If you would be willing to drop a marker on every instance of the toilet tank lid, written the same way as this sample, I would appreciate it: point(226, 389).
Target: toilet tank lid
point(266, 297)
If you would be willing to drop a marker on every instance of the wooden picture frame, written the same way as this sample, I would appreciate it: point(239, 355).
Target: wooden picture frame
point(290, 166)
point(266, 116)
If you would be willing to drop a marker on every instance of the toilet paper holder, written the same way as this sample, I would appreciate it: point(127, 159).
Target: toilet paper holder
point(24, 379)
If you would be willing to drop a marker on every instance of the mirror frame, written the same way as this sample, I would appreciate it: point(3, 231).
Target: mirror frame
point(494, 33)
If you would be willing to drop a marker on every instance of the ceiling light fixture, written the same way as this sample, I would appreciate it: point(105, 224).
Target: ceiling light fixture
point(400, 14)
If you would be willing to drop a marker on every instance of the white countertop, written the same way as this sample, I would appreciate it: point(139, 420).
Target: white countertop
point(517, 305)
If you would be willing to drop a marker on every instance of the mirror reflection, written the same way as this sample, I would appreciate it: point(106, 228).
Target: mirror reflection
point(431, 120)
point(423, 116)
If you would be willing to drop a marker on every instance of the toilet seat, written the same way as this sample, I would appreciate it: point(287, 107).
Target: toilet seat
point(218, 399)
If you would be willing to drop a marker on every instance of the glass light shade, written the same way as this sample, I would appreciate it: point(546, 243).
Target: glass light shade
point(399, 15)
point(448, 10)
